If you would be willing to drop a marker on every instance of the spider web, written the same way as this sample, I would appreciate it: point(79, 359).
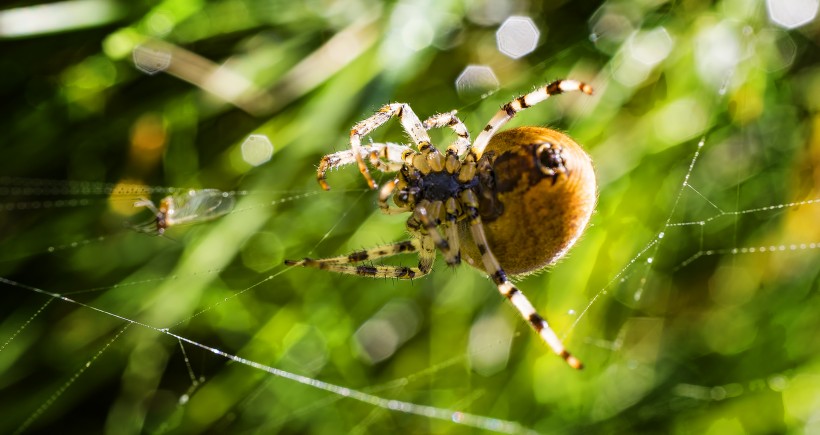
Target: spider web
point(701, 227)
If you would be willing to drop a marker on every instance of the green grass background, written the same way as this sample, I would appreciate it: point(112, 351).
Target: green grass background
point(679, 333)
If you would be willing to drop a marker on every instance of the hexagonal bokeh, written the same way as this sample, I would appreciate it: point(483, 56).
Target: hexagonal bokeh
point(476, 80)
point(791, 14)
point(610, 26)
point(151, 60)
point(517, 36)
point(257, 149)
point(775, 49)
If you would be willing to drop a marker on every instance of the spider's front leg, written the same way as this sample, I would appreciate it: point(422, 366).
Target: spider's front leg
point(385, 157)
point(409, 121)
point(449, 119)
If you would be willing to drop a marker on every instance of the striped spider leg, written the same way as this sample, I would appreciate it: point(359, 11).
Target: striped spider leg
point(345, 264)
point(509, 110)
point(385, 157)
point(449, 119)
point(427, 215)
point(513, 294)
point(517, 297)
point(409, 121)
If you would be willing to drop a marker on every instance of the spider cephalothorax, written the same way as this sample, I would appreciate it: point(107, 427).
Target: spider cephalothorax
point(512, 202)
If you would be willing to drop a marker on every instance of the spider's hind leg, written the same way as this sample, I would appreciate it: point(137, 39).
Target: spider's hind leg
point(515, 296)
point(405, 247)
point(345, 263)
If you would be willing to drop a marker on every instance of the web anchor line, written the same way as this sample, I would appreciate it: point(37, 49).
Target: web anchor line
point(747, 211)
point(748, 250)
point(654, 243)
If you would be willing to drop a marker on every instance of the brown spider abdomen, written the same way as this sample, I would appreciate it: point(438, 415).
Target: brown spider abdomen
point(544, 192)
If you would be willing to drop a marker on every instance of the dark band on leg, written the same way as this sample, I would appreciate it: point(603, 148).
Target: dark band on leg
point(357, 256)
point(537, 321)
point(366, 270)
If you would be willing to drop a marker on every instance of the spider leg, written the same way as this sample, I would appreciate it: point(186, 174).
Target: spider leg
point(528, 100)
point(405, 247)
point(511, 292)
point(385, 157)
point(448, 243)
point(453, 256)
point(427, 215)
point(451, 212)
point(449, 119)
point(343, 264)
point(409, 121)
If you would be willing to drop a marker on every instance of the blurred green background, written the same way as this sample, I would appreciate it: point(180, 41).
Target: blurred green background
point(692, 299)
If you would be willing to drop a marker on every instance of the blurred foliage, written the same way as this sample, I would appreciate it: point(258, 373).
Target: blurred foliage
point(692, 301)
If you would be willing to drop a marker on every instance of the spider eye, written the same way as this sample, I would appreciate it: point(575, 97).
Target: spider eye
point(549, 158)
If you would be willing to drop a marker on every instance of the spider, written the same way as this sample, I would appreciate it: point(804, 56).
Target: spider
point(510, 203)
